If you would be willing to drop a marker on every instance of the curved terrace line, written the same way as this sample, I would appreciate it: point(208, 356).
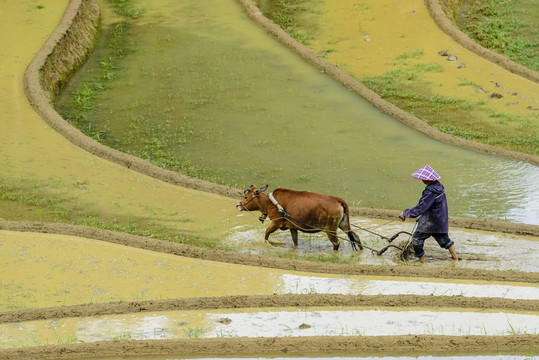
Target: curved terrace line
point(73, 39)
point(442, 21)
point(267, 301)
point(234, 257)
point(311, 344)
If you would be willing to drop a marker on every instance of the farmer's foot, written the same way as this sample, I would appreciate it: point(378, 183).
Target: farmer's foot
point(422, 259)
point(453, 253)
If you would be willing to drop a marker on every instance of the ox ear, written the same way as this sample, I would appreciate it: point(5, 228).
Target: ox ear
point(263, 188)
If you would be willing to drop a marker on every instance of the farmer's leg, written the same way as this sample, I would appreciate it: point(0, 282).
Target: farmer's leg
point(446, 243)
point(418, 239)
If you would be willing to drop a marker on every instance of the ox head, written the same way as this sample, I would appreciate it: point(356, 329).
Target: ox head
point(249, 201)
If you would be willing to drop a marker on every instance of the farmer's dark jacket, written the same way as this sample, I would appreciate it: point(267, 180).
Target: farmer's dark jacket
point(433, 210)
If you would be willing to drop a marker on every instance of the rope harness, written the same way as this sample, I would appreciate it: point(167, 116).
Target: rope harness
point(311, 228)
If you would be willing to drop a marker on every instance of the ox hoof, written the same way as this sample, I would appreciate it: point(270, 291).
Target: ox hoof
point(275, 243)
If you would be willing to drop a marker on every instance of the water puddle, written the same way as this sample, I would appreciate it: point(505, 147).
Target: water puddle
point(269, 323)
point(294, 284)
point(476, 249)
point(256, 97)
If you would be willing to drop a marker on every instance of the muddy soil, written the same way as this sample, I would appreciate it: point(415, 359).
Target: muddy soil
point(317, 344)
point(260, 345)
point(266, 261)
point(259, 301)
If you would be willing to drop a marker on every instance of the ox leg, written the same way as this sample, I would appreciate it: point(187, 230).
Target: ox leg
point(354, 238)
point(335, 241)
point(274, 226)
point(294, 234)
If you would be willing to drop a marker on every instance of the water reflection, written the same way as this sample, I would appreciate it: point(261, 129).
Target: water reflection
point(270, 323)
point(295, 284)
point(477, 249)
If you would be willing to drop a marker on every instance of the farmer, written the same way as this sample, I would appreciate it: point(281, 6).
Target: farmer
point(432, 210)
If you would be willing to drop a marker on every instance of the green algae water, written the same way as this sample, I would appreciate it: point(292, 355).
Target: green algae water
point(203, 90)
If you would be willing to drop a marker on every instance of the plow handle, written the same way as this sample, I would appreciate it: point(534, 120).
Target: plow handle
point(397, 235)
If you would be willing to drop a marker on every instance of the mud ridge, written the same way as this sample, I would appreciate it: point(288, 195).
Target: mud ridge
point(266, 261)
point(446, 25)
point(63, 47)
point(267, 301)
point(307, 344)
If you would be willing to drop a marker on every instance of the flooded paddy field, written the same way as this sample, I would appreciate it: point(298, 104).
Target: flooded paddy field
point(47, 275)
point(399, 52)
point(273, 322)
point(214, 115)
point(60, 270)
point(477, 249)
point(47, 270)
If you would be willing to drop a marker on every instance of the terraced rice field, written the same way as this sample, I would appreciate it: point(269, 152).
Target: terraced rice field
point(75, 291)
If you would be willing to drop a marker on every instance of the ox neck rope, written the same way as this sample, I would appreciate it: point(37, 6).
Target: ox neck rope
point(279, 207)
point(287, 217)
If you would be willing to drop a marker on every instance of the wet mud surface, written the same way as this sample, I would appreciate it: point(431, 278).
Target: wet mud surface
point(257, 302)
point(234, 257)
point(405, 343)
point(409, 343)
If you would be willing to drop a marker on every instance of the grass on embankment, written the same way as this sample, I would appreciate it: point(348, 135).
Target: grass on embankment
point(472, 120)
point(508, 27)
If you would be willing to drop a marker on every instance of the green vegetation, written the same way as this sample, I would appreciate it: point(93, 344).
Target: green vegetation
point(406, 88)
point(284, 13)
point(507, 27)
point(27, 199)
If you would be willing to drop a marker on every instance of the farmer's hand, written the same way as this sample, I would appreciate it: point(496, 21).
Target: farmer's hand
point(401, 216)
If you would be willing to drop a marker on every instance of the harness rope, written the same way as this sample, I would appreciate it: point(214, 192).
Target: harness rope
point(287, 217)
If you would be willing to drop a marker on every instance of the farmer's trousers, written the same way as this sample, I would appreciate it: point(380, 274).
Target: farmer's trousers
point(418, 239)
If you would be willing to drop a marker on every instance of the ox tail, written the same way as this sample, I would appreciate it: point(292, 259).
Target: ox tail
point(345, 226)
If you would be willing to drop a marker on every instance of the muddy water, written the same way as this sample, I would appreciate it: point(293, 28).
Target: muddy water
point(476, 249)
point(256, 113)
point(43, 270)
point(284, 322)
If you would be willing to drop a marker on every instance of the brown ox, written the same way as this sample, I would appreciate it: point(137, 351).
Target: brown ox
point(301, 210)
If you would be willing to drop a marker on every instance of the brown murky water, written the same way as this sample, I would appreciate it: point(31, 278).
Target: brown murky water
point(257, 113)
point(477, 249)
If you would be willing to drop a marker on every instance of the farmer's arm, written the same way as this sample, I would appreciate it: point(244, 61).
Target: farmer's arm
point(424, 204)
